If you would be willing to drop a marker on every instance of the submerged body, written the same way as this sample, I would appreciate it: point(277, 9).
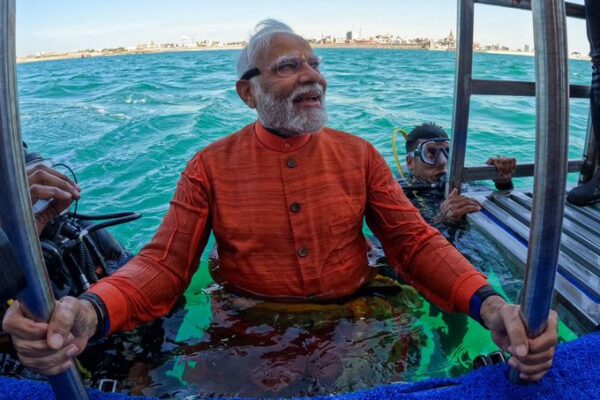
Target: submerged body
point(311, 255)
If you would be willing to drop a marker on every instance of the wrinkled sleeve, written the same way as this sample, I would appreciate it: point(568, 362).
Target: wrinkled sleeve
point(419, 253)
point(147, 286)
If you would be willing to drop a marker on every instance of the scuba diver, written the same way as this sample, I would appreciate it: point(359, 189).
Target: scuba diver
point(427, 151)
point(77, 252)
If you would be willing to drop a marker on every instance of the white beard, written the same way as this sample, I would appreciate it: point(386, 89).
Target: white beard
point(280, 114)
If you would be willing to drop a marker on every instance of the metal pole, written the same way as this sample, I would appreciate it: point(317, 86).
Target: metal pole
point(552, 127)
point(462, 93)
point(16, 215)
point(552, 98)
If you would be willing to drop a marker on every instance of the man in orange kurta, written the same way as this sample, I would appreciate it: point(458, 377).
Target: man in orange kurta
point(285, 198)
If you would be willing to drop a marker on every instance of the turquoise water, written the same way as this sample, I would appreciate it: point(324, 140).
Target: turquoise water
point(128, 125)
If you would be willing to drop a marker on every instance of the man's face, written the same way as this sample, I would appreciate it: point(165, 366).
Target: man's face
point(291, 103)
point(426, 172)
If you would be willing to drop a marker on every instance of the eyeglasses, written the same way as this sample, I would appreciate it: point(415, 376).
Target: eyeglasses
point(432, 151)
point(288, 66)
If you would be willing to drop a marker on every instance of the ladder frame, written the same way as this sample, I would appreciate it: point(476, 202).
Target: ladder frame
point(466, 86)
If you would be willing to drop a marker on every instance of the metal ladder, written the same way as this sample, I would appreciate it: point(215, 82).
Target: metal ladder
point(465, 87)
point(530, 227)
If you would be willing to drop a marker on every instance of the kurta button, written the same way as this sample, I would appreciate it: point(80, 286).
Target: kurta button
point(286, 146)
point(302, 252)
point(291, 163)
point(295, 207)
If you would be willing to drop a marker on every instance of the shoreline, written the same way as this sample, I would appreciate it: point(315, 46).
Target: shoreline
point(352, 46)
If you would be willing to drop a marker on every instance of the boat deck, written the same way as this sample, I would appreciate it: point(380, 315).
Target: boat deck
point(506, 219)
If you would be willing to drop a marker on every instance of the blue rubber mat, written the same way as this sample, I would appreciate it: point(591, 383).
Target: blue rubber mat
point(575, 376)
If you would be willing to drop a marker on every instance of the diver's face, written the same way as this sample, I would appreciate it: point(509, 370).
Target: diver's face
point(426, 172)
point(290, 91)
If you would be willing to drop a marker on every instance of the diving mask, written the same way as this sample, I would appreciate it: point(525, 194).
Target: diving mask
point(433, 151)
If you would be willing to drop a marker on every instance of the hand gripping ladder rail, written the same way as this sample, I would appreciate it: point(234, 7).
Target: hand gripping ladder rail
point(16, 216)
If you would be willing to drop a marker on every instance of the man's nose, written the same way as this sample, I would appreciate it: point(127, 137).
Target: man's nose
point(309, 74)
point(441, 160)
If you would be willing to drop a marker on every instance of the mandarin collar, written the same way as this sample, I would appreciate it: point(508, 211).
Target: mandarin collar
point(278, 143)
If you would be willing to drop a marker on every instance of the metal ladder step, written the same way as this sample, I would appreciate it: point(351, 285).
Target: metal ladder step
point(506, 218)
point(572, 9)
point(571, 248)
point(488, 87)
point(489, 171)
point(590, 212)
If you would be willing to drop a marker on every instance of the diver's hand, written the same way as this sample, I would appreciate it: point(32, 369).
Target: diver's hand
point(48, 184)
point(455, 206)
point(531, 357)
point(505, 166)
point(48, 348)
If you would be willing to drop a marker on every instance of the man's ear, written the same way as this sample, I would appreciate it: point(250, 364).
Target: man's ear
point(410, 162)
point(244, 90)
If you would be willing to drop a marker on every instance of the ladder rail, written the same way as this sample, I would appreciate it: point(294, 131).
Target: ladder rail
point(552, 128)
point(462, 93)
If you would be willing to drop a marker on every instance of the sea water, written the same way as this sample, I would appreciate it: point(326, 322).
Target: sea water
point(127, 125)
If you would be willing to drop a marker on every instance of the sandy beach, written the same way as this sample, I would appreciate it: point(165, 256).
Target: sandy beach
point(123, 51)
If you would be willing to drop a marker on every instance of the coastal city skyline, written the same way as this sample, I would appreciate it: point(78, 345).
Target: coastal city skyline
point(350, 40)
point(65, 26)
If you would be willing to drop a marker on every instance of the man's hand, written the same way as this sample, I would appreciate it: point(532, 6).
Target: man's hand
point(455, 206)
point(505, 166)
point(48, 348)
point(531, 357)
point(48, 184)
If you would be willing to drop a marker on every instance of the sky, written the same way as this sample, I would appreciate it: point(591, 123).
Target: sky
point(66, 25)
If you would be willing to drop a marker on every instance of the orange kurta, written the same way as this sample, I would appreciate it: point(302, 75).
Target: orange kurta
point(287, 215)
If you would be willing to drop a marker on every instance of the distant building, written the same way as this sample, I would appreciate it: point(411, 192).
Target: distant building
point(147, 46)
point(420, 43)
point(526, 48)
point(349, 36)
point(327, 39)
point(186, 41)
point(449, 42)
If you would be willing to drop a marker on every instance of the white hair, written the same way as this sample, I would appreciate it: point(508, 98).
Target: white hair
point(263, 33)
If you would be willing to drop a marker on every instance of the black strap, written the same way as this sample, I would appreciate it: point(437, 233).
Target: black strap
point(101, 313)
point(251, 73)
point(477, 301)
